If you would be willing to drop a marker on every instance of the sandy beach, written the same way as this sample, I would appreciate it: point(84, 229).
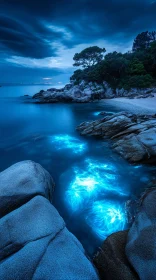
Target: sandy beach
point(142, 105)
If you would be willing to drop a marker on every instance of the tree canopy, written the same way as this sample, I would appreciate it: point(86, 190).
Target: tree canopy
point(132, 69)
point(143, 40)
point(89, 57)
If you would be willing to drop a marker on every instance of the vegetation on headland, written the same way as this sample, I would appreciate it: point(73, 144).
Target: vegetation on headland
point(135, 69)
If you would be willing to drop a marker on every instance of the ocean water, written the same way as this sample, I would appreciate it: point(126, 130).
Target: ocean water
point(92, 182)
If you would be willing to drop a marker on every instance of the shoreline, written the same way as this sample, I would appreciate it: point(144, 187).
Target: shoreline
point(141, 105)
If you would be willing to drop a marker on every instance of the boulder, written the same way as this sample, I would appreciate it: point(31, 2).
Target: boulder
point(121, 92)
point(34, 241)
point(87, 91)
point(108, 91)
point(140, 247)
point(133, 136)
point(21, 182)
point(111, 260)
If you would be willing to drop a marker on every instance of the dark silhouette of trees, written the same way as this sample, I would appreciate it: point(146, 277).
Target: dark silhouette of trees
point(89, 57)
point(132, 69)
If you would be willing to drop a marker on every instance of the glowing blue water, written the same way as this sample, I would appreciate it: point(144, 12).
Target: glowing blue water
point(106, 217)
point(68, 142)
point(92, 182)
point(98, 113)
point(96, 178)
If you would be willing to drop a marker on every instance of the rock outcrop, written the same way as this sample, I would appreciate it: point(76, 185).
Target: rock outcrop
point(34, 241)
point(87, 92)
point(133, 136)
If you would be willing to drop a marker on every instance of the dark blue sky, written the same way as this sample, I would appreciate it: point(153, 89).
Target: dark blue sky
point(38, 38)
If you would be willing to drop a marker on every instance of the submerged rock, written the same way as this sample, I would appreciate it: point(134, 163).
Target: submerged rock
point(133, 136)
point(34, 241)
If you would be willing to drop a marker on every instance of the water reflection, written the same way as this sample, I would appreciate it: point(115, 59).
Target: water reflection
point(106, 217)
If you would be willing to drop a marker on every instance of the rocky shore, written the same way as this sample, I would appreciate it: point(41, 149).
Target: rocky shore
point(133, 136)
point(88, 92)
point(35, 243)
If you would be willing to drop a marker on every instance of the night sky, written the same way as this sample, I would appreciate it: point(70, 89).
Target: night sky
point(38, 38)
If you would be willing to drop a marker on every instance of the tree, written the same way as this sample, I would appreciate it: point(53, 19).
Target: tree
point(136, 68)
point(153, 51)
point(132, 69)
point(117, 64)
point(137, 81)
point(143, 40)
point(152, 61)
point(116, 68)
point(89, 57)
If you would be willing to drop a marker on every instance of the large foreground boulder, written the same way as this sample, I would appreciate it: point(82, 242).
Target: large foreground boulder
point(34, 241)
point(21, 182)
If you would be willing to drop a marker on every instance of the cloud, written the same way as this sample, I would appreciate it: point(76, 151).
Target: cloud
point(18, 74)
point(46, 34)
point(20, 38)
point(43, 24)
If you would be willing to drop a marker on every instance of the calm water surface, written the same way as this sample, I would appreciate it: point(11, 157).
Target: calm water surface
point(92, 182)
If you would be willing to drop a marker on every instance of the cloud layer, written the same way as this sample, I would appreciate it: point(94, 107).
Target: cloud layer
point(38, 34)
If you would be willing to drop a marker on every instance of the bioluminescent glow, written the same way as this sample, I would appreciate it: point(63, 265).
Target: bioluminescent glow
point(106, 217)
point(92, 180)
point(96, 113)
point(137, 166)
point(68, 142)
point(81, 189)
point(94, 164)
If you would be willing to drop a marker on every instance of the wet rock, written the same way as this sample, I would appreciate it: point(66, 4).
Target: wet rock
point(111, 260)
point(133, 136)
point(140, 247)
point(21, 182)
point(109, 93)
point(87, 92)
point(34, 241)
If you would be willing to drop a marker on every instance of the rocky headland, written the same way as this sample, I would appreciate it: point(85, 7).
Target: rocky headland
point(88, 92)
point(133, 136)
